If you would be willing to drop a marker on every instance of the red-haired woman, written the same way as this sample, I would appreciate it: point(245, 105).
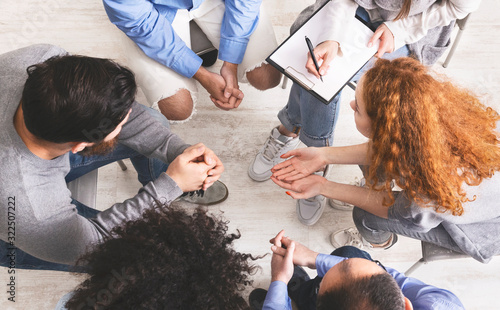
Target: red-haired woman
point(436, 141)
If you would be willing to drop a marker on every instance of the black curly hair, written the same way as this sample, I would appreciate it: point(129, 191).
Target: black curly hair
point(168, 259)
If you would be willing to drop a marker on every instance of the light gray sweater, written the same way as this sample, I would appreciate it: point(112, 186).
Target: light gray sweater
point(476, 231)
point(46, 223)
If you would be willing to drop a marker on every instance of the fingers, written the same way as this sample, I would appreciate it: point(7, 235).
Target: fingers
point(238, 100)
point(386, 45)
point(324, 68)
point(193, 152)
point(311, 68)
point(232, 103)
point(286, 163)
point(328, 58)
point(289, 253)
point(278, 250)
point(383, 48)
point(289, 170)
point(219, 104)
point(281, 184)
point(277, 239)
point(295, 195)
point(376, 35)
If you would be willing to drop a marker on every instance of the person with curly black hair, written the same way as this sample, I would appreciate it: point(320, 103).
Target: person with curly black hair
point(168, 259)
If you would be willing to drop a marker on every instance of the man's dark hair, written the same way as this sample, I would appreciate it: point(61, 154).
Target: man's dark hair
point(376, 292)
point(76, 98)
point(166, 260)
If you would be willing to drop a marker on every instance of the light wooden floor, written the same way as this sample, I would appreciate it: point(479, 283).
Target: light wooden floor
point(258, 210)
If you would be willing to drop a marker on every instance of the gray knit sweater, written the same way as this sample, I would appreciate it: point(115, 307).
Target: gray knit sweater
point(46, 223)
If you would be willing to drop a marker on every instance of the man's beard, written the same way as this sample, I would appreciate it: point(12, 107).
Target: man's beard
point(100, 149)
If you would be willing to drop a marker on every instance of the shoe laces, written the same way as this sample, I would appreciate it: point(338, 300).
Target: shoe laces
point(271, 148)
point(354, 238)
point(199, 193)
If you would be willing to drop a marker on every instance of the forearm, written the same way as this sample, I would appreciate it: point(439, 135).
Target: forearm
point(361, 197)
point(203, 76)
point(153, 33)
point(340, 14)
point(239, 22)
point(347, 155)
point(149, 136)
point(163, 190)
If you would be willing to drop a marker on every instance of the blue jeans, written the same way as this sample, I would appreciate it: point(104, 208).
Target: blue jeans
point(148, 169)
point(313, 120)
point(307, 293)
point(24, 260)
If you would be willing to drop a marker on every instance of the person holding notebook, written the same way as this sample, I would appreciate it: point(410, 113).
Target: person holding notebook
point(436, 141)
point(404, 27)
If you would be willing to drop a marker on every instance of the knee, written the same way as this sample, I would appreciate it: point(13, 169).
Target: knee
point(264, 77)
point(357, 216)
point(177, 107)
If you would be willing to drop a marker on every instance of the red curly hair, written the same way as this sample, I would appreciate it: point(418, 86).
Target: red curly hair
point(430, 136)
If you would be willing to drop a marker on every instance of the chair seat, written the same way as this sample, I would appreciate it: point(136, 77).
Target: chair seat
point(84, 189)
point(432, 252)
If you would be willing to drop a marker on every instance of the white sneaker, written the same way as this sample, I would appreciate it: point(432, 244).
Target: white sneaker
point(269, 156)
point(349, 236)
point(310, 210)
point(344, 206)
point(352, 237)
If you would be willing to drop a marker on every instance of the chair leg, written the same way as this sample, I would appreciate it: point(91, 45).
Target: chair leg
point(414, 267)
point(453, 48)
point(122, 165)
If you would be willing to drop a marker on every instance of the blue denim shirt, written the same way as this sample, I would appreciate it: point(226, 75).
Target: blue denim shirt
point(149, 24)
point(421, 295)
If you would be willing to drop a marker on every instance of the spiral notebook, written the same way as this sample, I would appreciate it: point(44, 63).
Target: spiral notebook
point(291, 56)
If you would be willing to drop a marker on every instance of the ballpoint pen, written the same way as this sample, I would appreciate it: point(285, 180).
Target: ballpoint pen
point(311, 51)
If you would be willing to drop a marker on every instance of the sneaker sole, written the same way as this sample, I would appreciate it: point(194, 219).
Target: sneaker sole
point(220, 200)
point(209, 203)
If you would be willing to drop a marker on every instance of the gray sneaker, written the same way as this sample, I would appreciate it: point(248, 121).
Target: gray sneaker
point(269, 156)
point(310, 210)
point(214, 194)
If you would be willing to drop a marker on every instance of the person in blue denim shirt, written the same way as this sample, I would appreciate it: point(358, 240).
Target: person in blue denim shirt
point(158, 48)
point(347, 279)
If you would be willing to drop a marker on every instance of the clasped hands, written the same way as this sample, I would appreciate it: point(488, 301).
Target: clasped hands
point(286, 254)
point(196, 168)
point(223, 89)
